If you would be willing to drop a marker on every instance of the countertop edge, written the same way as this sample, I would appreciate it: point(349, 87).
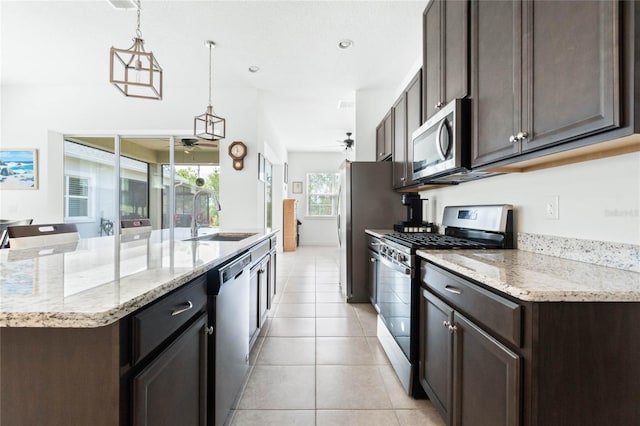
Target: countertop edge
point(532, 295)
point(110, 316)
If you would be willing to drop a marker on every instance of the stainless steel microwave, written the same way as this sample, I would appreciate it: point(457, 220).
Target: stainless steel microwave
point(442, 145)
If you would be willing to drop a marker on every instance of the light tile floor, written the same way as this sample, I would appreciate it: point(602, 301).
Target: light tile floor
point(317, 360)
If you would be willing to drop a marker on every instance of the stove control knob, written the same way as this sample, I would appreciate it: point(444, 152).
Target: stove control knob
point(402, 258)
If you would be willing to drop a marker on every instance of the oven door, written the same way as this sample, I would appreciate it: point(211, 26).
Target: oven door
point(394, 301)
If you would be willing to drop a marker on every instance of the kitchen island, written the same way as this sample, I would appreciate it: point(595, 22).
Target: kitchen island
point(107, 331)
point(509, 337)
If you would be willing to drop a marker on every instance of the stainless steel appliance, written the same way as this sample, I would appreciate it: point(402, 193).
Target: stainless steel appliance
point(442, 146)
point(231, 337)
point(398, 284)
point(366, 200)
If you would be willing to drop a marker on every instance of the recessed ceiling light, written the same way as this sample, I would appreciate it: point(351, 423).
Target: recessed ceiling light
point(345, 44)
point(254, 68)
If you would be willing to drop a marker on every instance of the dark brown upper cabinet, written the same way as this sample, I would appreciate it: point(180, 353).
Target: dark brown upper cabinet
point(446, 52)
point(384, 138)
point(407, 117)
point(539, 77)
point(399, 153)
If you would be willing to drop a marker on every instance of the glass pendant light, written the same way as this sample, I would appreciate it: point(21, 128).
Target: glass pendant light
point(208, 125)
point(134, 71)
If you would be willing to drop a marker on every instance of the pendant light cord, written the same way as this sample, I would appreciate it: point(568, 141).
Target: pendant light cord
point(138, 31)
point(210, 62)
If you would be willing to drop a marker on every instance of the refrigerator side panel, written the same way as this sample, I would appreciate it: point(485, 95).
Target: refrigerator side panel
point(342, 227)
point(373, 204)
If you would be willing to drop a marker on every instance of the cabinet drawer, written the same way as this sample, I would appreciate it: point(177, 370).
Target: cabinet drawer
point(258, 251)
point(154, 324)
point(501, 316)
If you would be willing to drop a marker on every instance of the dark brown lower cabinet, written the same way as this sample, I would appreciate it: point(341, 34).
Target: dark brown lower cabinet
point(471, 378)
point(436, 346)
point(486, 378)
point(171, 390)
point(488, 359)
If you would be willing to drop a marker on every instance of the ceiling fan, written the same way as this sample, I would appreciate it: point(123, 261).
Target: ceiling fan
point(190, 144)
point(348, 142)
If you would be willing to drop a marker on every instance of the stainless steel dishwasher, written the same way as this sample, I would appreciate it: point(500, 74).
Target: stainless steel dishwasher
point(231, 335)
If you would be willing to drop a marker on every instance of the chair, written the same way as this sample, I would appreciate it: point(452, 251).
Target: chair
point(29, 236)
point(4, 224)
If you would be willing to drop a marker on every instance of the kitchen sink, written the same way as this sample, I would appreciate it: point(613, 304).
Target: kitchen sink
point(224, 236)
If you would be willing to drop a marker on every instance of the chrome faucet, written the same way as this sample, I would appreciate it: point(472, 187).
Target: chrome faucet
point(194, 221)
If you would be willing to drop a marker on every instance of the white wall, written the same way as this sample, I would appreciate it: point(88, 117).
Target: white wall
point(313, 231)
point(35, 116)
point(371, 106)
point(598, 200)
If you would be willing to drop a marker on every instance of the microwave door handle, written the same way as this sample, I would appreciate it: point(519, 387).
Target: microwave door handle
point(443, 155)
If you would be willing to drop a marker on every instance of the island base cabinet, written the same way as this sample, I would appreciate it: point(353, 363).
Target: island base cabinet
point(60, 376)
point(171, 390)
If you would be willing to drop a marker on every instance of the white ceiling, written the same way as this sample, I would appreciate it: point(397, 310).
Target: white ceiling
point(303, 74)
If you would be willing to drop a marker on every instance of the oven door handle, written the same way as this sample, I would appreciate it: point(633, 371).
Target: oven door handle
point(398, 268)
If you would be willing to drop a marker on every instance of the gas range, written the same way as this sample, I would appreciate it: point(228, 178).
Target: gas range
point(398, 281)
point(475, 227)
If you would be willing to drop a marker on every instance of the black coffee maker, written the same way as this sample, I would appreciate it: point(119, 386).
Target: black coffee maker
point(414, 222)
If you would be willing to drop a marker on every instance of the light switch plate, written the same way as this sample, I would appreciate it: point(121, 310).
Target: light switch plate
point(551, 206)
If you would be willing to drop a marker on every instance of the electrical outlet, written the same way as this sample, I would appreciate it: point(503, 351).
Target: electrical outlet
point(551, 207)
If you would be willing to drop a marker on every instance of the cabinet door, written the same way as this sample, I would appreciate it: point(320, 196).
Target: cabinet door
point(414, 120)
point(571, 82)
point(495, 78)
point(171, 390)
point(380, 141)
point(388, 136)
point(455, 69)
point(271, 279)
point(373, 278)
point(399, 154)
point(254, 287)
point(486, 378)
point(263, 291)
point(432, 57)
point(435, 352)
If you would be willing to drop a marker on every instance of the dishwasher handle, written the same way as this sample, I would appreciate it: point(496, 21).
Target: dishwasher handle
point(234, 269)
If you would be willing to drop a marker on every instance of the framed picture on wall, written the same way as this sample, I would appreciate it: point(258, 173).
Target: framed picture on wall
point(260, 167)
point(286, 173)
point(18, 169)
point(296, 187)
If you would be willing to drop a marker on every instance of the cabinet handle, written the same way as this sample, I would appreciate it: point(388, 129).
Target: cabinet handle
point(522, 136)
point(186, 307)
point(439, 105)
point(381, 153)
point(403, 178)
point(208, 330)
point(513, 139)
point(452, 289)
point(452, 328)
point(372, 260)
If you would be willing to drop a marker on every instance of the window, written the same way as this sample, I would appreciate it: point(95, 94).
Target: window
point(76, 197)
point(322, 194)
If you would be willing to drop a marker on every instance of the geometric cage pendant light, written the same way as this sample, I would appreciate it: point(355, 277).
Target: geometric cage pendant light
point(208, 125)
point(134, 71)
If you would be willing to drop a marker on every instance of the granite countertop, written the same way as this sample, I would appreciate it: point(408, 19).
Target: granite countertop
point(540, 278)
point(97, 281)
